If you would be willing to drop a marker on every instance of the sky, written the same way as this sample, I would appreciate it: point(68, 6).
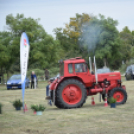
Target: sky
point(55, 13)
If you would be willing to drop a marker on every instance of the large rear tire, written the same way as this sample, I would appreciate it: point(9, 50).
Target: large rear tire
point(57, 105)
point(71, 93)
point(119, 94)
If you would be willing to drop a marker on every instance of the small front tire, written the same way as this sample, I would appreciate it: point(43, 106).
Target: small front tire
point(119, 94)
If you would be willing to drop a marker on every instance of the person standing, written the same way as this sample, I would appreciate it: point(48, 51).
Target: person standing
point(46, 74)
point(48, 93)
point(33, 80)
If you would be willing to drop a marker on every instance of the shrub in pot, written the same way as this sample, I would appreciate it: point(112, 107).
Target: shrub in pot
point(1, 108)
point(17, 104)
point(112, 102)
point(38, 109)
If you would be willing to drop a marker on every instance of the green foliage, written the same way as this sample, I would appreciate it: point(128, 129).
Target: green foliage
point(54, 71)
point(101, 37)
point(8, 52)
point(38, 72)
point(1, 108)
point(37, 107)
point(112, 100)
point(43, 47)
point(68, 36)
point(127, 47)
point(17, 103)
point(83, 36)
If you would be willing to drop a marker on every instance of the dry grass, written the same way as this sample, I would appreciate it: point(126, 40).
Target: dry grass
point(86, 120)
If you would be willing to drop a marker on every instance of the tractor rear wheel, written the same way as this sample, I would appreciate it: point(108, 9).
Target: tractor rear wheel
point(57, 105)
point(71, 93)
point(119, 94)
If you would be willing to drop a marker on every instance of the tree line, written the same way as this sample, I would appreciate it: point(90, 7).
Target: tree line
point(83, 36)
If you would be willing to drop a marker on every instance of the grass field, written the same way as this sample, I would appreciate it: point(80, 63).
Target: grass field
point(86, 120)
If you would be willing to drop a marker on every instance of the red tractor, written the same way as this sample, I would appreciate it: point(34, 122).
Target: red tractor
point(75, 83)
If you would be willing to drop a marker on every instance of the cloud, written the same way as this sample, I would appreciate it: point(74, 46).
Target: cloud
point(55, 13)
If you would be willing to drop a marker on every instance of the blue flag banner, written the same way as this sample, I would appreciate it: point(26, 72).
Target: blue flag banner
point(24, 55)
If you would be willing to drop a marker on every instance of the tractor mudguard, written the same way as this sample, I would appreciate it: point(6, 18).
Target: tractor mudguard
point(55, 83)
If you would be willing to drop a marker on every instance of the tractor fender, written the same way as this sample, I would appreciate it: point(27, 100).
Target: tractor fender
point(54, 84)
point(57, 82)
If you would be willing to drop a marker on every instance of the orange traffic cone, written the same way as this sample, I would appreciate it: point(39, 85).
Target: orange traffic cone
point(93, 103)
point(105, 104)
point(25, 108)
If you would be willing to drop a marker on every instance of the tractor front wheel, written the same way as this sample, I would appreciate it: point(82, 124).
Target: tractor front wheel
point(119, 94)
point(71, 93)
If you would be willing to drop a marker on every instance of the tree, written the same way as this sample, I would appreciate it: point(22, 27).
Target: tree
point(127, 47)
point(67, 45)
point(101, 37)
point(42, 46)
point(8, 52)
point(88, 35)
point(68, 36)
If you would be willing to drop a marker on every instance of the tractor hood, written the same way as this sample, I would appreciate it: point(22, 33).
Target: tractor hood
point(109, 76)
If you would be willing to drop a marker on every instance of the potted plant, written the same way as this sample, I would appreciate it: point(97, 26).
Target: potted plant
point(38, 109)
point(112, 102)
point(1, 108)
point(17, 104)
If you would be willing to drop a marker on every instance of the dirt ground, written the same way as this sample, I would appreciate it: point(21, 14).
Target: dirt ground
point(86, 120)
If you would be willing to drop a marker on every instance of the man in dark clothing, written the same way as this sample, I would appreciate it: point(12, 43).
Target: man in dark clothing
point(48, 93)
point(33, 80)
point(46, 74)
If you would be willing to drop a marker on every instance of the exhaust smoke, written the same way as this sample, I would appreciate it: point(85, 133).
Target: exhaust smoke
point(90, 37)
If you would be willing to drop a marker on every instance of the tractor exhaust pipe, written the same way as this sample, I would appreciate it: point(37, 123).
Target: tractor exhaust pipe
point(96, 76)
point(90, 64)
